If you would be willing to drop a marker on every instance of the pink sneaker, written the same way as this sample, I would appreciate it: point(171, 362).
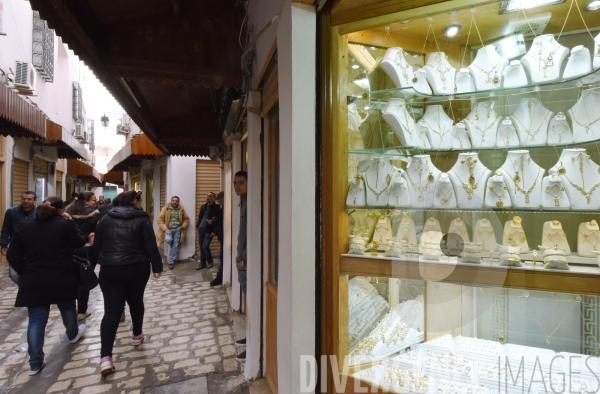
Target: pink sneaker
point(137, 340)
point(106, 365)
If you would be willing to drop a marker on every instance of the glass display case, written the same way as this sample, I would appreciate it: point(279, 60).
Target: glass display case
point(471, 153)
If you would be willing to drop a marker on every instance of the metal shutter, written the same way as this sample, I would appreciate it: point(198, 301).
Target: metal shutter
point(208, 179)
point(20, 180)
point(41, 166)
point(163, 186)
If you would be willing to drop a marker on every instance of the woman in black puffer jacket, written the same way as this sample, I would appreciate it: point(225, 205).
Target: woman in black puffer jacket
point(85, 214)
point(125, 247)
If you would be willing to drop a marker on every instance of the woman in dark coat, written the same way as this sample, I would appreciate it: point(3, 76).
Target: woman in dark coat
point(125, 247)
point(42, 254)
point(85, 214)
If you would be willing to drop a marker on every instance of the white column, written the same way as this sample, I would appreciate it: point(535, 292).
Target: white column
point(253, 242)
point(227, 217)
point(296, 37)
point(236, 164)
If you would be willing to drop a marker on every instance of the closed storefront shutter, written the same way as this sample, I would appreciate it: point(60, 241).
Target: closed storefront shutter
point(20, 180)
point(163, 186)
point(59, 178)
point(208, 179)
point(41, 167)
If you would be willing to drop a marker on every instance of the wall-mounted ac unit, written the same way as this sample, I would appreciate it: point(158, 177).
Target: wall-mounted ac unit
point(25, 78)
point(532, 26)
point(78, 132)
point(122, 130)
point(84, 140)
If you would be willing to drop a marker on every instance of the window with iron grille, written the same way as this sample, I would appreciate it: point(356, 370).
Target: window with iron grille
point(1, 13)
point(92, 145)
point(43, 48)
point(77, 103)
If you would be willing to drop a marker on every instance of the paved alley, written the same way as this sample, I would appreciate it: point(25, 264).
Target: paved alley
point(189, 337)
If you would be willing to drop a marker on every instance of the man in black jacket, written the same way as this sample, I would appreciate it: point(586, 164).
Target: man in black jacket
point(219, 233)
point(14, 216)
point(207, 215)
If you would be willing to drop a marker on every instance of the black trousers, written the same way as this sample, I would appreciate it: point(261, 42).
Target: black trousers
point(121, 283)
point(83, 294)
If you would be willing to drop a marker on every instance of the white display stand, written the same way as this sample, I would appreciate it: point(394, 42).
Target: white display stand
point(440, 74)
point(484, 234)
point(579, 63)
point(383, 232)
point(397, 68)
point(460, 137)
point(554, 195)
point(444, 195)
point(588, 239)
point(407, 234)
point(514, 235)
point(514, 75)
point(469, 176)
point(596, 62)
point(421, 175)
point(487, 68)
point(438, 127)
point(432, 224)
point(482, 123)
point(559, 131)
point(458, 227)
point(524, 179)
point(585, 116)
point(356, 193)
point(421, 85)
point(531, 119)
point(544, 59)
point(464, 81)
point(378, 179)
point(580, 176)
point(554, 236)
point(496, 193)
point(399, 196)
point(507, 135)
point(403, 124)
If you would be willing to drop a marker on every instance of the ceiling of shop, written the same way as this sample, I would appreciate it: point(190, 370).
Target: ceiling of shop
point(174, 65)
point(487, 20)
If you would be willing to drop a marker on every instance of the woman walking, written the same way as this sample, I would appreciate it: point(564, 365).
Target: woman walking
point(85, 214)
point(126, 250)
point(41, 252)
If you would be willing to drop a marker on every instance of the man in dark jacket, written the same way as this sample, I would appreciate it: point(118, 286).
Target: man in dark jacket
point(219, 233)
point(14, 216)
point(206, 225)
point(70, 200)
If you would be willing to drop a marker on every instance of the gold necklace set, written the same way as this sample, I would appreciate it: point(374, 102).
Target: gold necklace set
point(480, 231)
point(531, 116)
point(492, 188)
point(517, 234)
point(517, 178)
point(489, 79)
point(508, 135)
point(545, 62)
point(471, 186)
point(586, 193)
point(401, 189)
point(586, 126)
point(561, 189)
point(563, 125)
point(486, 125)
point(388, 180)
point(445, 195)
point(439, 131)
point(595, 233)
point(439, 69)
point(356, 189)
point(404, 67)
point(420, 188)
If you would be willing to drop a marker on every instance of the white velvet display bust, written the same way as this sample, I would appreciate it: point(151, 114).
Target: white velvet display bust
point(544, 59)
point(460, 137)
point(397, 68)
point(399, 196)
point(559, 131)
point(407, 233)
point(378, 180)
point(531, 119)
point(396, 115)
point(554, 195)
point(514, 75)
point(581, 178)
point(438, 127)
point(523, 177)
point(458, 227)
point(514, 235)
point(482, 123)
point(421, 85)
point(585, 116)
point(496, 192)
point(444, 194)
point(487, 68)
point(553, 236)
point(464, 81)
point(421, 176)
point(579, 63)
point(469, 177)
point(588, 239)
point(440, 74)
point(484, 234)
point(507, 135)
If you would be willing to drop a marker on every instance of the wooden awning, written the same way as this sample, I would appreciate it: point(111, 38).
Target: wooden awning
point(67, 145)
point(114, 177)
point(138, 148)
point(19, 118)
point(83, 171)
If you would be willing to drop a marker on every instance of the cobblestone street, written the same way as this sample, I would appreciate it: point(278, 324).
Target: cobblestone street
point(189, 335)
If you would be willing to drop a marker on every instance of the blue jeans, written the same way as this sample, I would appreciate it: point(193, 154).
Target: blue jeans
point(242, 278)
point(204, 240)
point(38, 318)
point(176, 233)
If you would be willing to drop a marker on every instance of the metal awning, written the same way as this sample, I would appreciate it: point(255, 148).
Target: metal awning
point(114, 177)
point(138, 148)
point(83, 171)
point(19, 118)
point(68, 147)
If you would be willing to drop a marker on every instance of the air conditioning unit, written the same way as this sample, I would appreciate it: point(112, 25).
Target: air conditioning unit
point(532, 26)
point(78, 132)
point(84, 140)
point(122, 130)
point(25, 78)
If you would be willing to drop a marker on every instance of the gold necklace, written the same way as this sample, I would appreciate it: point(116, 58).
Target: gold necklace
point(506, 136)
point(472, 185)
point(586, 193)
point(479, 232)
point(499, 203)
point(586, 236)
point(356, 189)
point(405, 126)
point(585, 125)
point(531, 114)
point(404, 67)
point(520, 189)
point(474, 124)
point(548, 341)
point(418, 188)
point(495, 80)
point(459, 136)
point(443, 196)
point(388, 180)
point(562, 236)
point(399, 187)
point(544, 64)
point(565, 127)
point(515, 235)
point(556, 196)
point(442, 72)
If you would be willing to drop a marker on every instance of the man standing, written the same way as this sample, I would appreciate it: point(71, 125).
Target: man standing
point(14, 216)
point(218, 281)
point(240, 185)
point(207, 215)
point(172, 220)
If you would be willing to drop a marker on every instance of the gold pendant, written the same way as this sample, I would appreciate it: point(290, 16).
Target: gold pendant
point(502, 339)
point(430, 178)
point(517, 177)
point(415, 80)
point(499, 204)
point(455, 88)
point(556, 202)
point(527, 198)
point(562, 170)
point(496, 80)
point(471, 180)
point(488, 80)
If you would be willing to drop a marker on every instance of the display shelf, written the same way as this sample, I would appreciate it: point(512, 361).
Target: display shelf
point(404, 152)
point(512, 211)
point(591, 79)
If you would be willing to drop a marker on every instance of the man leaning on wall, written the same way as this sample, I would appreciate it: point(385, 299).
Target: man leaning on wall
point(172, 221)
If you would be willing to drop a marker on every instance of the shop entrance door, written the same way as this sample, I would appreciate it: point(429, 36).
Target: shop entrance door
point(273, 245)
point(150, 195)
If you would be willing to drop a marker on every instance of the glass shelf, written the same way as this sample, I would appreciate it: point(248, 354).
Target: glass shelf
point(589, 80)
point(511, 211)
point(402, 152)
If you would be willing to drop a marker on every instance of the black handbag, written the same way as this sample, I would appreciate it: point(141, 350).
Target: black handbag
point(87, 277)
